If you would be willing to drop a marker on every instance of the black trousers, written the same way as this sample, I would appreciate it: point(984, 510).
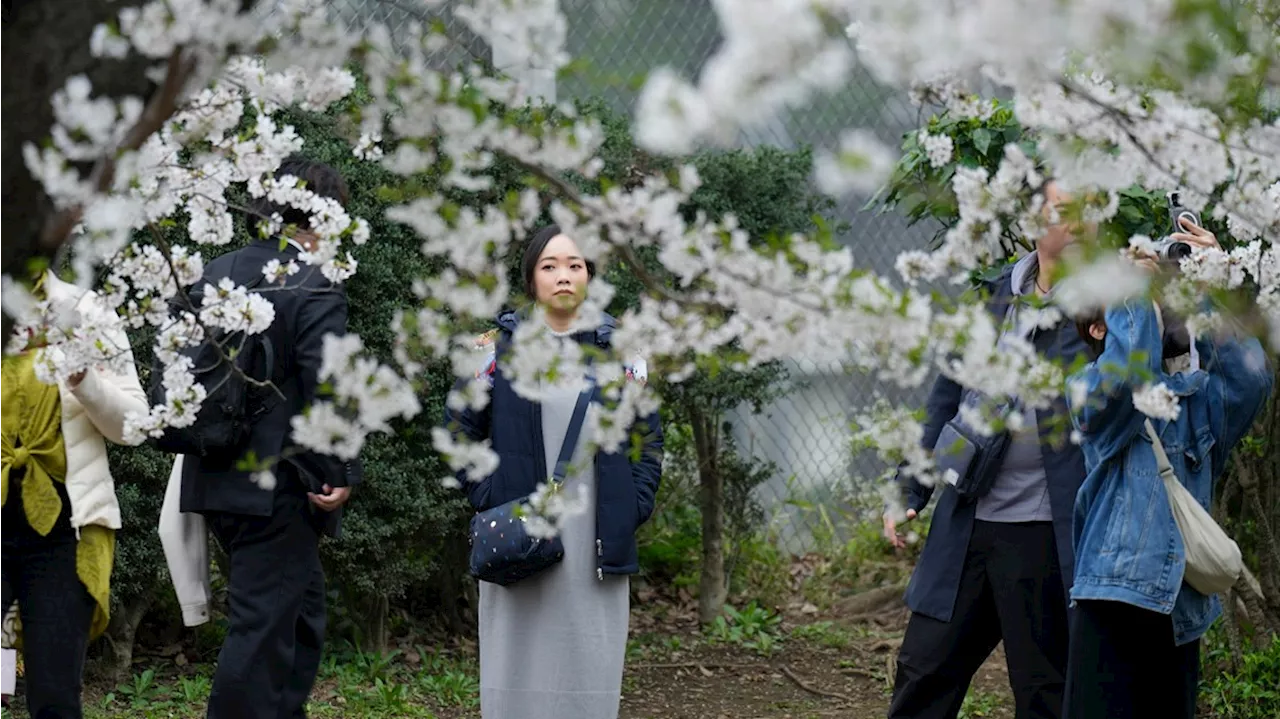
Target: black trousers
point(53, 605)
point(269, 661)
point(1124, 665)
point(1012, 590)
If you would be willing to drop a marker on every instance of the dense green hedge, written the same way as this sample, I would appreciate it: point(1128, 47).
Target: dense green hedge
point(404, 542)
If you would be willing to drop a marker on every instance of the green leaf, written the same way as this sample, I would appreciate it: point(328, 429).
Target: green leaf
point(982, 139)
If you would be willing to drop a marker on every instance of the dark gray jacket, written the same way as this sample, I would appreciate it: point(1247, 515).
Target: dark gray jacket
point(936, 580)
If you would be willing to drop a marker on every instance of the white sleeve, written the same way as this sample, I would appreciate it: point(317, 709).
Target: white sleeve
point(186, 551)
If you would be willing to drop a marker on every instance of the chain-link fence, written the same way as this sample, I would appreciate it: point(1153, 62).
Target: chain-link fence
point(806, 434)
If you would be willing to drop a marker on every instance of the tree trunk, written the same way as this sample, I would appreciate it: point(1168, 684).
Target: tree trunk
point(1233, 609)
point(1250, 472)
point(45, 42)
point(117, 658)
point(374, 625)
point(1267, 474)
point(712, 587)
point(458, 587)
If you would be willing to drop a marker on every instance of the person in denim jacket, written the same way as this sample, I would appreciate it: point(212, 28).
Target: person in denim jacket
point(1135, 631)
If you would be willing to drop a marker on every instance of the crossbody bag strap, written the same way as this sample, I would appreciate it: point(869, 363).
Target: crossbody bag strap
point(574, 431)
point(1162, 459)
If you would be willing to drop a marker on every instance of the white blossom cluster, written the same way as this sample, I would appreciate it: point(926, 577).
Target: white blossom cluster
point(861, 164)
point(990, 207)
point(366, 397)
point(70, 336)
point(775, 54)
point(1157, 401)
point(1074, 70)
point(896, 435)
point(549, 505)
point(222, 135)
point(938, 148)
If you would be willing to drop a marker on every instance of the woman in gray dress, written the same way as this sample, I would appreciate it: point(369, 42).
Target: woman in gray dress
point(552, 645)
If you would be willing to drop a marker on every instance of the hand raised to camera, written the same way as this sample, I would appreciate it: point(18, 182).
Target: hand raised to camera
point(1146, 260)
point(1195, 235)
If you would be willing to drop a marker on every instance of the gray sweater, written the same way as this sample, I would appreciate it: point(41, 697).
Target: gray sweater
point(1021, 491)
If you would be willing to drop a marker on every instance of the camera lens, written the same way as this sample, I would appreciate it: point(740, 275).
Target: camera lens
point(1178, 250)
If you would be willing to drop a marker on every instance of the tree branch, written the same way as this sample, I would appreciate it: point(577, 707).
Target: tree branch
point(45, 44)
point(1124, 121)
point(161, 107)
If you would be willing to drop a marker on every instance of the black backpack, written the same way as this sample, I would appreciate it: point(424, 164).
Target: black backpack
point(232, 404)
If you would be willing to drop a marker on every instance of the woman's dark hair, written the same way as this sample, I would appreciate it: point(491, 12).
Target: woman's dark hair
point(318, 177)
point(533, 250)
point(1083, 323)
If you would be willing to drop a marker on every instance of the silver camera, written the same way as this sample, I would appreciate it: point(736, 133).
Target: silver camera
point(1167, 248)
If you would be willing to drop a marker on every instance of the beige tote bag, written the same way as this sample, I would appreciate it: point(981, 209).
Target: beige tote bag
point(1213, 558)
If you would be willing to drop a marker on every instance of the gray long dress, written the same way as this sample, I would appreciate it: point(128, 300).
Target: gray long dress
point(552, 646)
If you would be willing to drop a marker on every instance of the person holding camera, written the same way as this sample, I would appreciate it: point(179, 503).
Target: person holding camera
point(997, 563)
point(1134, 646)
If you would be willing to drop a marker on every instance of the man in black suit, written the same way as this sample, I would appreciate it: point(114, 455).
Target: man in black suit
point(271, 655)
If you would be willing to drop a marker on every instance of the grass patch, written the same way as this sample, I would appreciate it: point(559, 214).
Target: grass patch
point(424, 684)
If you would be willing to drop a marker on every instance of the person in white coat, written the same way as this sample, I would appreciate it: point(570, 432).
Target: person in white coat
point(60, 510)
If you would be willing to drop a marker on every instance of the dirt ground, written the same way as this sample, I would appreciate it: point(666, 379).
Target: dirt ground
point(836, 662)
point(826, 666)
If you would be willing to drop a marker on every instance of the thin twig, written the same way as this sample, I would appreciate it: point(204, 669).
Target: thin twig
point(1124, 121)
point(627, 253)
point(880, 618)
point(786, 670)
point(699, 665)
point(637, 265)
point(885, 644)
point(855, 671)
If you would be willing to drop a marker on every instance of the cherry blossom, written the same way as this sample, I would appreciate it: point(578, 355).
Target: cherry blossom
point(1157, 402)
point(1079, 73)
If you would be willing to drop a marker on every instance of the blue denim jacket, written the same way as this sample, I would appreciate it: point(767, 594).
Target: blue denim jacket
point(1128, 547)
